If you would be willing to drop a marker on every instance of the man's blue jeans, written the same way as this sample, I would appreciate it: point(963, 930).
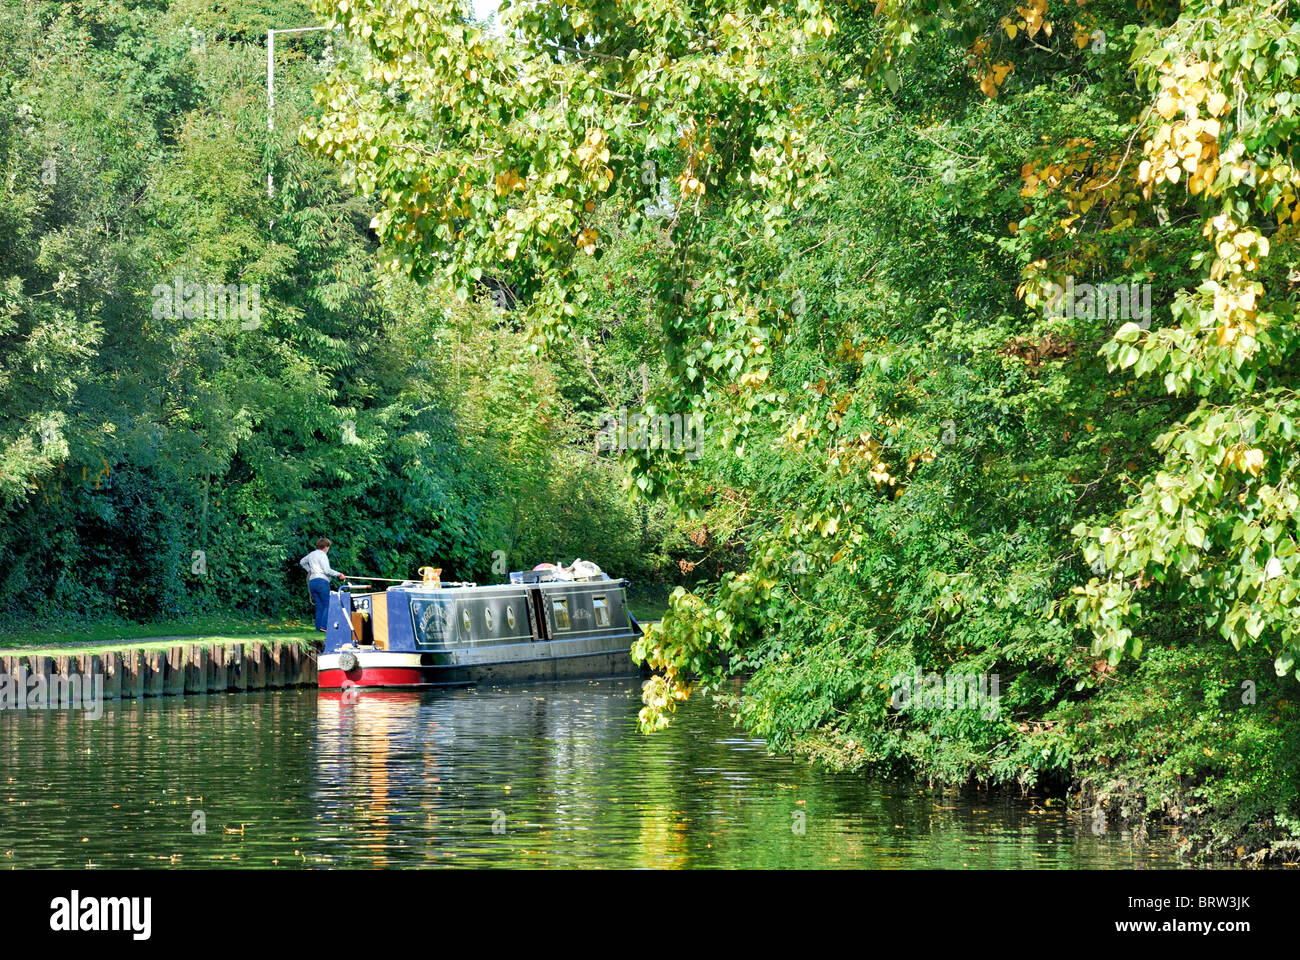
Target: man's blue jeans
point(320, 592)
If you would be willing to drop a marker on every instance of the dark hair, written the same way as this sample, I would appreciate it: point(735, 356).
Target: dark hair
point(323, 543)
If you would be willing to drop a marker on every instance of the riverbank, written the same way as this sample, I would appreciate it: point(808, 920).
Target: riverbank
point(1199, 740)
point(85, 678)
point(216, 654)
point(54, 638)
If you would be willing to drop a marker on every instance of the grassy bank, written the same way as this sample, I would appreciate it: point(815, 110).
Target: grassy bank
point(54, 639)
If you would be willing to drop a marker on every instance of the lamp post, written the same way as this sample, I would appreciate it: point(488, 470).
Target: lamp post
point(270, 87)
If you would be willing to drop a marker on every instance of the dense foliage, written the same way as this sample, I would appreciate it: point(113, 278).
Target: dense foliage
point(159, 461)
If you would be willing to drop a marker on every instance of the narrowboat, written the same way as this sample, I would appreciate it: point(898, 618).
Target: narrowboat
point(430, 634)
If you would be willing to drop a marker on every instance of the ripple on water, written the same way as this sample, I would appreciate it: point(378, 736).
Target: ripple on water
point(542, 775)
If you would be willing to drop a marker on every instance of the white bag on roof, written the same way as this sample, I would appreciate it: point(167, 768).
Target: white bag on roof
point(585, 569)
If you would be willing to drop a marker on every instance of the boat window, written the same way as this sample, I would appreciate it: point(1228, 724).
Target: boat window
point(510, 616)
point(561, 610)
point(488, 619)
point(602, 611)
point(464, 618)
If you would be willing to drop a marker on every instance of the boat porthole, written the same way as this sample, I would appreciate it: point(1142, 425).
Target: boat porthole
point(510, 617)
point(487, 617)
point(464, 618)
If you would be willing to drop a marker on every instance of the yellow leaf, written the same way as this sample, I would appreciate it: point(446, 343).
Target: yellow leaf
point(1252, 461)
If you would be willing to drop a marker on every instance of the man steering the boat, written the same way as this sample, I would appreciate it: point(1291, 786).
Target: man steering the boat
point(319, 571)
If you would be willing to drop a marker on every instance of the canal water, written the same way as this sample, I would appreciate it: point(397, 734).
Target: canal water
point(552, 775)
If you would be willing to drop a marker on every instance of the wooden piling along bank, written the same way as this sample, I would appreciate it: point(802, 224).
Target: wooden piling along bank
point(182, 669)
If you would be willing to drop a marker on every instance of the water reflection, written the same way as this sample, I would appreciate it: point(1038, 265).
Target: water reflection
point(549, 775)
